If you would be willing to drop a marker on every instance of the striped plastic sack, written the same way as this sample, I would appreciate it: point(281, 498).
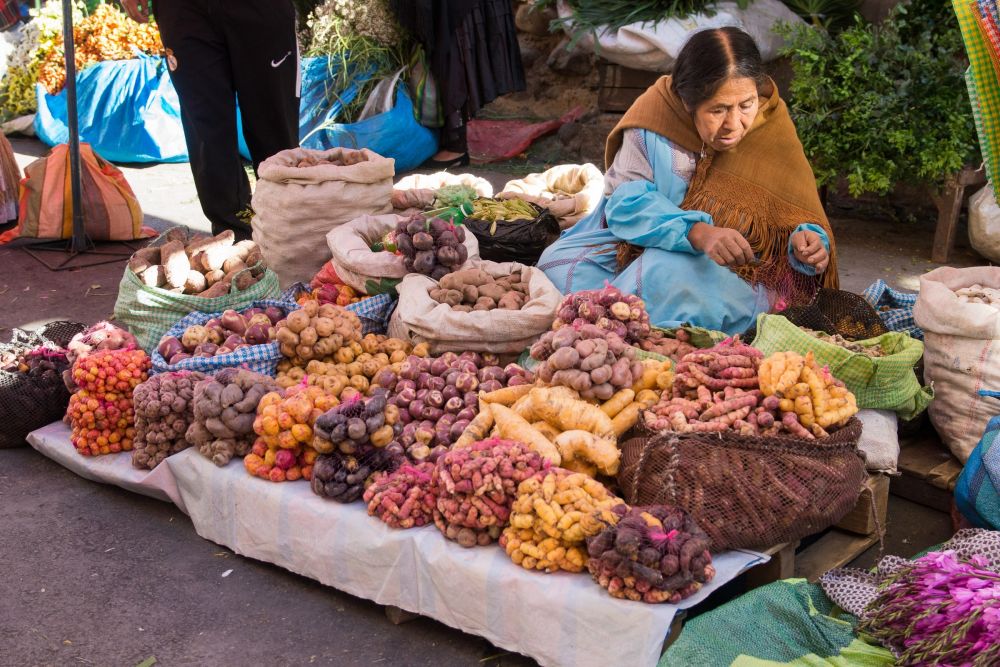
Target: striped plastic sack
point(261, 359)
point(148, 312)
point(45, 211)
point(881, 383)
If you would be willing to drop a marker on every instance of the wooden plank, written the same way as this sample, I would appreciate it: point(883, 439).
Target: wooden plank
point(926, 458)
point(871, 509)
point(919, 491)
point(835, 549)
point(949, 205)
point(781, 566)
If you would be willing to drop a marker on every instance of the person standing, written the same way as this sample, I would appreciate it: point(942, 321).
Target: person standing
point(474, 58)
point(220, 52)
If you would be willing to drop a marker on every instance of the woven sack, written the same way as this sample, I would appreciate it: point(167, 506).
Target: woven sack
point(29, 403)
point(743, 491)
point(569, 191)
point(880, 383)
point(147, 312)
point(295, 207)
point(420, 319)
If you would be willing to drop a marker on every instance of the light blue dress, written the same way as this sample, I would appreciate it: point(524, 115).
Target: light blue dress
point(680, 285)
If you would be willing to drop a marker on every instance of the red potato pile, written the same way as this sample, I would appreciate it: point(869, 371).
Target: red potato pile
point(206, 266)
point(437, 397)
point(225, 408)
point(622, 314)
point(163, 413)
point(227, 333)
point(432, 247)
point(404, 498)
point(101, 412)
point(476, 486)
point(284, 423)
point(652, 554)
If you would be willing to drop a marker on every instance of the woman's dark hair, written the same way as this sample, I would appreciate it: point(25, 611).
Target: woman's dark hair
point(710, 58)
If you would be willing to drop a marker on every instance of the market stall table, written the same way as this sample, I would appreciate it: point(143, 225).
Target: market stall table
point(556, 618)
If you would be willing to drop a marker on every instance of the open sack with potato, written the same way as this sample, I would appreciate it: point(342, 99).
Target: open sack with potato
point(180, 272)
point(491, 307)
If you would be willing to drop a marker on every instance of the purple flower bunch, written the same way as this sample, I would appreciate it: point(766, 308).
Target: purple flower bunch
point(938, 610)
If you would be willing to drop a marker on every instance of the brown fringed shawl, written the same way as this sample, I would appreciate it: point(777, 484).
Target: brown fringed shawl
point(764, 187)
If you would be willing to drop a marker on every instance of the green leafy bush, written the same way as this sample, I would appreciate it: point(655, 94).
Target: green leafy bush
point(886, 104)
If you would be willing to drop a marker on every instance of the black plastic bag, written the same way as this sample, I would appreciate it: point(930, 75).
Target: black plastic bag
point(519, 241)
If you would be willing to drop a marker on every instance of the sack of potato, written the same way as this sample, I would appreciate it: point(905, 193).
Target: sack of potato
point(179, 273)
point(492, 307)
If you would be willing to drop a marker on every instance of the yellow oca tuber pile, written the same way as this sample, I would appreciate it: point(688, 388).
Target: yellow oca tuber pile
point(553, 516)
point(811, 400)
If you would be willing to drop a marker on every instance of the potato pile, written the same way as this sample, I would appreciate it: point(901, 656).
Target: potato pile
point(353, 369)
point(552, 517)
point(227, 333)
point(284, 423)
point(476, 486)
point(101, 412)
point(432, 247)
point(624, 315)
point(342, 477)
point(437, 397)
point(164, 409)
point(42, 363)
point(653, 554)
point(208, 266)
point(979, 294)
point(587, 359)
point(403, 498)
point(873, 351)
point(811, 400)
point(475, 289)
point(359, 425)
point(316, 332)
point(225, 408)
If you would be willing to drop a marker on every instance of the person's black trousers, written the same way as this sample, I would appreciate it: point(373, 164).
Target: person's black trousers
point(218, 52)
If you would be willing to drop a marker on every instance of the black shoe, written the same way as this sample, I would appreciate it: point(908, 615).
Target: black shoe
point(461, 161)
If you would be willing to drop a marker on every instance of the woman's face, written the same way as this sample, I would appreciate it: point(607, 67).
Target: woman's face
point(723, 120)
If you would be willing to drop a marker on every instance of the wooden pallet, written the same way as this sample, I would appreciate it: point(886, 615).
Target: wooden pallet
point(928, 470)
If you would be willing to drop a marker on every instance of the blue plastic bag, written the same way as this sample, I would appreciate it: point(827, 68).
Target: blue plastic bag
point(128, 112)
point(977, 493)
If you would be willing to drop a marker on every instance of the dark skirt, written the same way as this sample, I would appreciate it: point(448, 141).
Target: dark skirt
point(472, 48)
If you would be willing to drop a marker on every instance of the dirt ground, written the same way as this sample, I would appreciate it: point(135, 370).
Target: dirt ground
point(96, 575)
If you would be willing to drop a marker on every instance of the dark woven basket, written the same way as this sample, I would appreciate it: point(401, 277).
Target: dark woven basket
point(747, 491)
point(834, 312)
point(28, 403)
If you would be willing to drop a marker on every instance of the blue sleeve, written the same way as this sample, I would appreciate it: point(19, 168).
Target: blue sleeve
point(643, 212)
point(802, 267)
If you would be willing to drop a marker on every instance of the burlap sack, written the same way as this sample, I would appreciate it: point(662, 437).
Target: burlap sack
point(416, 191)
point(569, 191)
point(368, 271)
point(961, 354)
point(420, 319)
point(295, 207)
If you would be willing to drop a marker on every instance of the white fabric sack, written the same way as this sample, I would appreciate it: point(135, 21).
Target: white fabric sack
point(557, 619)
point(984, 224)
point(420, 319)
point(961, 354)
point(655, 46)
point(416, 191)
point(295, 207)
point(879, 440)
point(569, 191)
point(374, 272)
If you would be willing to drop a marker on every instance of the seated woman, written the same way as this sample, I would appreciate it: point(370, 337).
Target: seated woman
point(710, 210)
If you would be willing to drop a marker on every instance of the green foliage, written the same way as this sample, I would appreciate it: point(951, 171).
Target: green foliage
point(830, 14)
point(883, 104)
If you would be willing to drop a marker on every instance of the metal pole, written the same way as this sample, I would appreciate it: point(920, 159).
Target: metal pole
point(79, 242)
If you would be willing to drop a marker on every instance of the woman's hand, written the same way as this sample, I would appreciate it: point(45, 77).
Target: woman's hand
point(138, 10)
point(725, 247)
point(808, 248)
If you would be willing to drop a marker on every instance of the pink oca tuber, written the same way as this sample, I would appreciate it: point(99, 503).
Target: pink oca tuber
point(403, 498)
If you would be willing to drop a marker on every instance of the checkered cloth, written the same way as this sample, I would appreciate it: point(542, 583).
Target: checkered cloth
point(881, 383)
point(894, 307)
point(982, 79)
point(258, 358)
point(374, 312)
